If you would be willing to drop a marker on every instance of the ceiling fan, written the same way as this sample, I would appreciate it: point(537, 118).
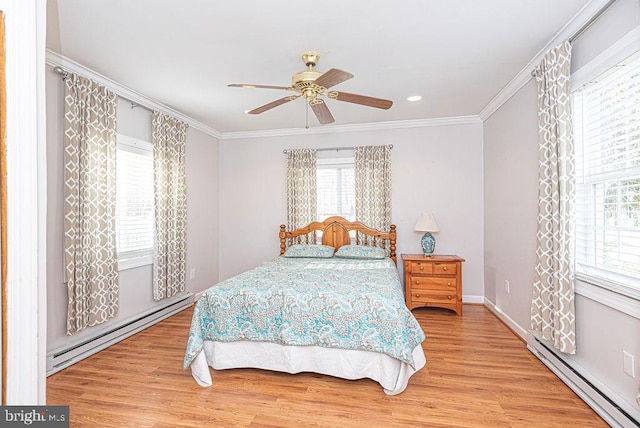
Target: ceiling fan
point(312, 85)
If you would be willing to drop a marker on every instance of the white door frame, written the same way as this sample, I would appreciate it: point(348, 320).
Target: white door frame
point(25, 25)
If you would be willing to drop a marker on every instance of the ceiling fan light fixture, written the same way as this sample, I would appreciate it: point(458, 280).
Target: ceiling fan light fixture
point(414, 98)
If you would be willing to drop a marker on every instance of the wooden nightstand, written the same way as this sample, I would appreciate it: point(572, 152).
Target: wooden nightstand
point(434, 281)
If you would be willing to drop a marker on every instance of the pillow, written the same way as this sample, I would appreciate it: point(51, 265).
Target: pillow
point(360, 252)
point(310, 250)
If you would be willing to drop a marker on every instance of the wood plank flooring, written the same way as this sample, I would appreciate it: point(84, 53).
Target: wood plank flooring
point(478, 374)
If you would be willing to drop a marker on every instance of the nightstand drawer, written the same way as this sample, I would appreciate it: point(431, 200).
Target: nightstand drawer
point(434, 281)
point(418, 268)
point(419, 296)
point(445, 268)
point(429, 283)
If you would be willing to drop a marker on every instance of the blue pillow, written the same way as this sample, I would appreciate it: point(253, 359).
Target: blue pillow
point(310, 250)
point(360, 252)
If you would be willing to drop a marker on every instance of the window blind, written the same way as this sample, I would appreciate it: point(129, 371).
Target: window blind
point(335, 189)
point(607, 136)
point(134, 200)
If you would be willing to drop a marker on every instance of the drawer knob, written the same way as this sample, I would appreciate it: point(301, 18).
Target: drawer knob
point(421, 267)
point(449, 284)
point(417, 295)
point(417, 282)
point(449, 297)
point(444, 268)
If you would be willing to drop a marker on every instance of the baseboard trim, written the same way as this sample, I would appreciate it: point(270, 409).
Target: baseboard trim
point(598, 397)
point(506, 320)
point(601, 402)
point(63, 358)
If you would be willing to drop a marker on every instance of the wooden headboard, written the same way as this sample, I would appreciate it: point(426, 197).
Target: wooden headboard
point(335, 232)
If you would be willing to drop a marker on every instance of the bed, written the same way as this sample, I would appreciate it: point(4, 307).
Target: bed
point(332, 303)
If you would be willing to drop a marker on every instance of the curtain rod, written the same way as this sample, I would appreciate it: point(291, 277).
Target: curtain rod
point(337, 149)
point(593, 19)
point(62, 72)
point(584, 28)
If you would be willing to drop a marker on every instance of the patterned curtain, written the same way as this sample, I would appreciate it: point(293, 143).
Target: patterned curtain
point(301, 188)
point(90, 255)
point(553, 308)
point(373, 186)
point(170, 190)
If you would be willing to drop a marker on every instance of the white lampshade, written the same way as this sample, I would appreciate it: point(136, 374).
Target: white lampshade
point(427, 223)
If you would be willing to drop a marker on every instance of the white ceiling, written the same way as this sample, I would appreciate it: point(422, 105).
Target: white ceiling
point(457, 54)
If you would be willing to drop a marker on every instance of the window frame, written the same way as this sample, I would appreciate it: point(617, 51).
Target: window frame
point(134, 258)
point(610, 292)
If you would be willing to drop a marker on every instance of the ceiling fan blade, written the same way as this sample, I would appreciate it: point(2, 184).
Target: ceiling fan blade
point(272, 104)
point(248, 85)
point(322, 111)
point(332, 78)
point(361, 99)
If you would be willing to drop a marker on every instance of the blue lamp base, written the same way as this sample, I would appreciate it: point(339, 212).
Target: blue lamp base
point(428, 244)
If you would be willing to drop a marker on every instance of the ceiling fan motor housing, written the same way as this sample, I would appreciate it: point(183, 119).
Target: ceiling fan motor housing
point(304, 83)
point(304, 77)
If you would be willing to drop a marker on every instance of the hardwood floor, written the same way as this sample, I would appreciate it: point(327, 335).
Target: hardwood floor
point(478, 374)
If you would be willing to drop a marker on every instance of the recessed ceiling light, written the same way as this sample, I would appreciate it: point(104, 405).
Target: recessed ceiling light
point(414, 98)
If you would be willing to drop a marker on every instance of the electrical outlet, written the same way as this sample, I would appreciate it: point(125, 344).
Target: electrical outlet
point(628, 364)
point(506, 286)
point(192, 273)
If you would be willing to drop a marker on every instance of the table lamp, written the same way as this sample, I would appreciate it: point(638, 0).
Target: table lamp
point(427, 223)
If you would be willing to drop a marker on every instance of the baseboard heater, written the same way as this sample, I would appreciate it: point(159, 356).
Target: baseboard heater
point(61, 359)
point(600, 402)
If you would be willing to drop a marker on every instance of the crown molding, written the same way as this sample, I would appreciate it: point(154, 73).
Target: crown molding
point(581, 19)
point(359, 127)
point(54, 59)
point(576, 23)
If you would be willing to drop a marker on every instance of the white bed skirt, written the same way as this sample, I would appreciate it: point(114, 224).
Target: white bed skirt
point(392, 374)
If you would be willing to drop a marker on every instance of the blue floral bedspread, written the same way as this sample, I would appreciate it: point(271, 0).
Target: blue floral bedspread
point(336, 303)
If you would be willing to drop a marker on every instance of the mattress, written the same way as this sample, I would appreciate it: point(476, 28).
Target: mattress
point(341, 317)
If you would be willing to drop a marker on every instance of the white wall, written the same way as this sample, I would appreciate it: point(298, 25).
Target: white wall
point(434, 169)
point(510, 204)
point(135, 295)
point(203, 217)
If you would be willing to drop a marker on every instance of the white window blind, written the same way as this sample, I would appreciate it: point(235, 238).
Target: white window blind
point(607, 136)
point(134, 198)
point(335, 188)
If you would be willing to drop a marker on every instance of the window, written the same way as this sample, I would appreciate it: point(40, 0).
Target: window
point(336, 188)
point(134, 202)
point(607, 135)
